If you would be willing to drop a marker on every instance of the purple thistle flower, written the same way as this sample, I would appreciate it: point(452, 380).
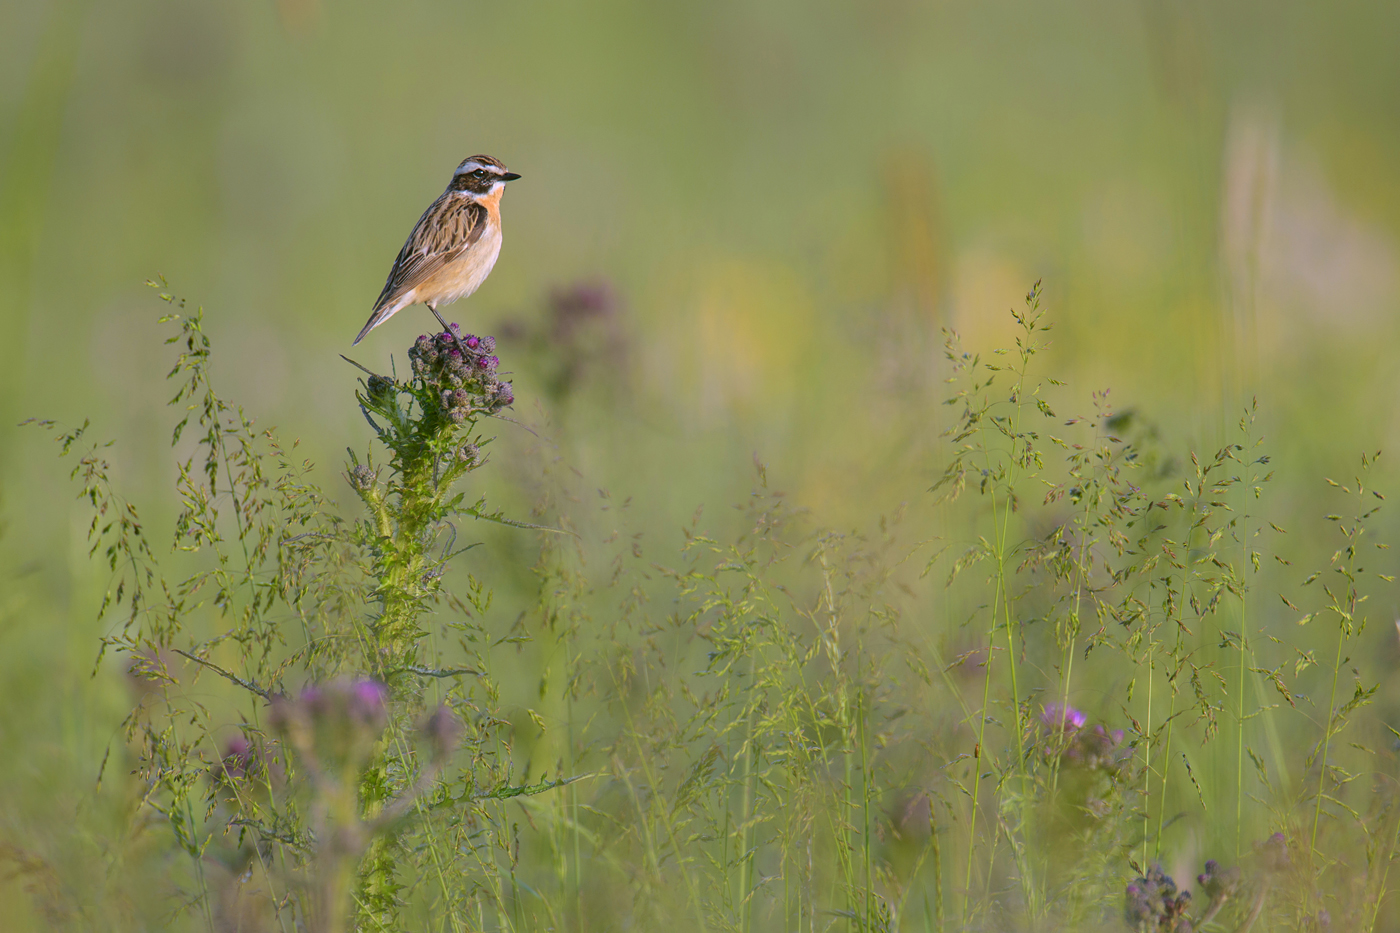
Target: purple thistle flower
point(472, 341)
point(1152, 902)
point(1063, 716)
point(1273, 852)
point(366, 702)
point(443, 730)
point(238, 755)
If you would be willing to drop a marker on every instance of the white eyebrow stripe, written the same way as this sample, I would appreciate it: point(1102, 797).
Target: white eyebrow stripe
point(472, 165)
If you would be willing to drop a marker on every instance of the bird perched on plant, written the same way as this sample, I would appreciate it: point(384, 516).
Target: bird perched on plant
point(452, 247)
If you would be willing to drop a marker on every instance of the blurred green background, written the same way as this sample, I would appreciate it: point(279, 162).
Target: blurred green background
point(780, 203)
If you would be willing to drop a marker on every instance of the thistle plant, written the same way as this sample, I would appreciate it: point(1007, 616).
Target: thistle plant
point(333, 731)
point(321, 797)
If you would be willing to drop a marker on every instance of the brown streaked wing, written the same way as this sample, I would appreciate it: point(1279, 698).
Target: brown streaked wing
point(446, 230)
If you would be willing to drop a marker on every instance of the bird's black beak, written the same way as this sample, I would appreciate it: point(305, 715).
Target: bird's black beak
point(509, 176)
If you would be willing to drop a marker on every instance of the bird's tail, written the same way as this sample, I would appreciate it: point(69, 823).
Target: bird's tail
point(379, 316)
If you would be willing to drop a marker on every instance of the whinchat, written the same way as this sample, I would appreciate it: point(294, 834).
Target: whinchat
point(452, 247)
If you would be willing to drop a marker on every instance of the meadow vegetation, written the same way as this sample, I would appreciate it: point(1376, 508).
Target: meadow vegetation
point(1106, 670)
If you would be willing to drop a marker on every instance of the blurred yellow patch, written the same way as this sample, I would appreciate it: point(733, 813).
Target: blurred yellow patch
point(987, 286)
point(755, 326)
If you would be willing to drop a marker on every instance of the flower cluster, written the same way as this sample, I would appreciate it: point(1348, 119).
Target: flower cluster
point(1152, 903)
point(461, 370)
point(335, 725)
point(1093, 749)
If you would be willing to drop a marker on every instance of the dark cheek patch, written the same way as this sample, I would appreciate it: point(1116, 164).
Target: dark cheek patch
point(467, 182)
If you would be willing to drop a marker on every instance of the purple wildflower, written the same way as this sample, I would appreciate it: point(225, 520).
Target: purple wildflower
point(1273, 852)
point(1219, 884)
point(1062, 716)
point(366, 701)
point(443, 730)
point(238, 757)
point(1152, 902)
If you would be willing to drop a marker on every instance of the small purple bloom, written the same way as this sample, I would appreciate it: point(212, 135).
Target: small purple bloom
point(1273, 852)
point(472, 341)
point(1063, 716)
point(367, 700)
point(583, 300)
point(238, 755)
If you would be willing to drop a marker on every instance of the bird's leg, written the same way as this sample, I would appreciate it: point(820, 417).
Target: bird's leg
point(466, 353)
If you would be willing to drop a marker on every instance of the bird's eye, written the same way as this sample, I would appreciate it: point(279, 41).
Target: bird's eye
point(480, 173)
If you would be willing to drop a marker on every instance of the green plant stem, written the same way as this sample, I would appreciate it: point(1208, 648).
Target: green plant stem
point(1327, 739)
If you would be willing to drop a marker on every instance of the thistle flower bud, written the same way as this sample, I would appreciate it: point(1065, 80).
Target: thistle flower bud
point(1153, 903)
point(469, 453)
point(443, 731)
point(380, 386)
point(361, 478)
point(238, 758)
point(1273, 853)
point(365, 703)
point(1217, 883)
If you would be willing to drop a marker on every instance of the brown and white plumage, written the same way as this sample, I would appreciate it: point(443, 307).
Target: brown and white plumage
point(452, 247)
